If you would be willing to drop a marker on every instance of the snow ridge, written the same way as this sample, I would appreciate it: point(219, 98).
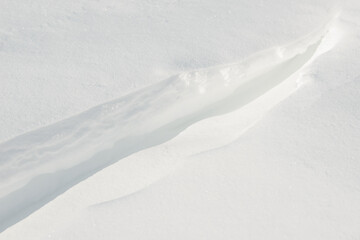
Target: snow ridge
point(38, 166)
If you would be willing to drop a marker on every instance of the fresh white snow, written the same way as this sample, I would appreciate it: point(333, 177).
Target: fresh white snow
point(199, 155)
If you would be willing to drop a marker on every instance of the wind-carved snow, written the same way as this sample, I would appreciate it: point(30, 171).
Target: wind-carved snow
point(38, 166)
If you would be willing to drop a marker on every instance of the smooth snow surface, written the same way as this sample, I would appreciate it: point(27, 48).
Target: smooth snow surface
point(207, 153)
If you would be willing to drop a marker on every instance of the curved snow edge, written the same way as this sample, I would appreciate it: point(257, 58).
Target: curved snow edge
point(38, 166)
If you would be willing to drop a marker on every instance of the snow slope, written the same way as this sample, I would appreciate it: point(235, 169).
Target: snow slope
point(273, 186)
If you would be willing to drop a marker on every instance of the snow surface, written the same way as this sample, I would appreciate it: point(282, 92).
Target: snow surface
point(207, 153)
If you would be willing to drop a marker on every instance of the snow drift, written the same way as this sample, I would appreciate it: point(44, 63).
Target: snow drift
point(38, 166)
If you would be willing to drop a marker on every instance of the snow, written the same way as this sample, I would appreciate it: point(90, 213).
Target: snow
point(222, 147)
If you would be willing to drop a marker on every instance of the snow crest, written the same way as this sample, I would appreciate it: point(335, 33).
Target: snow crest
point(40, 165)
